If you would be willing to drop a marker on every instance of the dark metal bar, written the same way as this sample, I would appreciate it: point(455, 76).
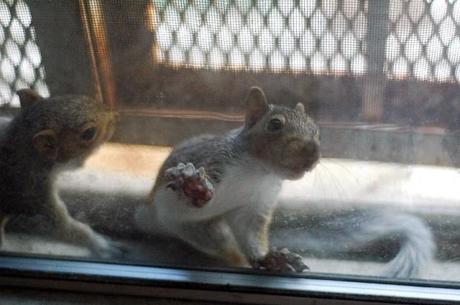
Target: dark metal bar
point(61, 38)
point(377, 28)
point(131, 46)
point(212, 286)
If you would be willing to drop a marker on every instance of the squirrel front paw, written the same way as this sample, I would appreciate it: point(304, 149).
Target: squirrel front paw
point(281, 261)
point(193, 183)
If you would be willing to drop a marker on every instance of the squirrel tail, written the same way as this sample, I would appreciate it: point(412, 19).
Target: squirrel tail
point(417, 248)
point(354, 232)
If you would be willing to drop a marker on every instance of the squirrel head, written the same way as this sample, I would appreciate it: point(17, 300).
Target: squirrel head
point(64, 128)
point(284, 139)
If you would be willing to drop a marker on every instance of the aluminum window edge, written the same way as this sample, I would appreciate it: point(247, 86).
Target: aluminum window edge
point(208, 285)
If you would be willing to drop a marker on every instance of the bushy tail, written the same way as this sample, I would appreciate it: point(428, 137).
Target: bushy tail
point(336, 235)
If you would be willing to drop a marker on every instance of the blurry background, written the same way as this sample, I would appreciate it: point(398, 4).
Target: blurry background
point(365, 69)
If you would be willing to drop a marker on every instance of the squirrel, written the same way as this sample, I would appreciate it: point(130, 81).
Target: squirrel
point(218, 194)
point(46, 136)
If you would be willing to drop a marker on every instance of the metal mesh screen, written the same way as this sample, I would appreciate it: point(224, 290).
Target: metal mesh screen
point(313, 37)
point(20, 59)
point(424, 40)
point(327, 37)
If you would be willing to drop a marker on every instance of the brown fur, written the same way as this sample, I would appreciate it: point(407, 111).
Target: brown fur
point(45, 136)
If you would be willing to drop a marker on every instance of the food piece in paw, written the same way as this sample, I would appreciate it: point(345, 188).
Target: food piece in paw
point(193, 183)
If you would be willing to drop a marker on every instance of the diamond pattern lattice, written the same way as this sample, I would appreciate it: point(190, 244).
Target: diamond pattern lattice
point(20, 59)
point(424, 40)
point(319, 37)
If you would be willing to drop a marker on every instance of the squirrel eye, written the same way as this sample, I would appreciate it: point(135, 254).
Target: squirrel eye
point(275, 125)
point(88, 134)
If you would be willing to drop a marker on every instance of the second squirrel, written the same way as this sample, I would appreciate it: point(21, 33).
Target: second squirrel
point(44, 137)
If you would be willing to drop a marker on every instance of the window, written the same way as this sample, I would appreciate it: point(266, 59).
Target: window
point(376, 220)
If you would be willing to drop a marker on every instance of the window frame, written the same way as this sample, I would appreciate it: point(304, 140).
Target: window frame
point(177, 283)
point(219, 285)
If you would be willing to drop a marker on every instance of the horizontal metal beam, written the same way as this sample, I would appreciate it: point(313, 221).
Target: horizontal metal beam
point(224, 286)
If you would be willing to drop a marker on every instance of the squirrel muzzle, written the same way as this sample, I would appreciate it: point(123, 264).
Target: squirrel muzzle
point(300, 156)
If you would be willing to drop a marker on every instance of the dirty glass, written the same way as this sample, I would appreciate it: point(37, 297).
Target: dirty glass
point(353, 172)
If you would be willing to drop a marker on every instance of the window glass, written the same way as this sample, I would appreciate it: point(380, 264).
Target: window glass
point(332, 134)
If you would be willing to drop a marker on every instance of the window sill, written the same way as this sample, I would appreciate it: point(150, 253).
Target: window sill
point(105, 197)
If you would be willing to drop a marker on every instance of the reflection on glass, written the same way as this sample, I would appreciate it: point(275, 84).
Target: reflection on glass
point(376, 196)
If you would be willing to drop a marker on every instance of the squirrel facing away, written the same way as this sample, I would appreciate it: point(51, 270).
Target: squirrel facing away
point(218, 194)
point(46, 136)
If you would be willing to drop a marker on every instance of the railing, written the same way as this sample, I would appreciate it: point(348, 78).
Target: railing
point(374, 60)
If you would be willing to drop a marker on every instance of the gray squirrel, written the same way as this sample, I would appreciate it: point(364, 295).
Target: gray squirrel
point(218, 193)
point(46, 136)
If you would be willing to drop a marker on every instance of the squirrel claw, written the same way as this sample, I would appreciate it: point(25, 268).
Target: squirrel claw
point(282, 261)
point(108, 249)
point(193, 182)
point(172, 185)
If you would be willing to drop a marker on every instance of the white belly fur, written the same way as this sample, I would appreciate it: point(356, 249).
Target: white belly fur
point(242, 186)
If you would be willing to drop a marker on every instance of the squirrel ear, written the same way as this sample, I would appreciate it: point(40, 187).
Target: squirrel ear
point(257, 106)
point(45, 142)
point(300, 107)
point(28, 97)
